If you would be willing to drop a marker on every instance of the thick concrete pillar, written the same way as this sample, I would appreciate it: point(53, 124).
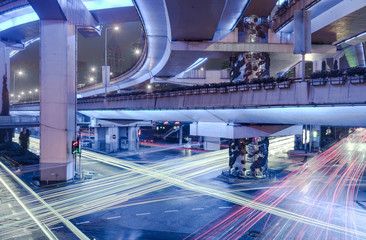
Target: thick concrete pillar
point(317, 66)
point(112, 139)
point(133, 138)
point(123, 138)
point(298, 72)
point(181, 135)
point(211, 143)
point(100, 136)
point(58, 99)
point(251, 65)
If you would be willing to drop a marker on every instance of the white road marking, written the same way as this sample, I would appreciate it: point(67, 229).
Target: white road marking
point(167, 211)
point(83, 222)
point(195, 209)
point(140, 214)
point(54, 228)
point(224, 207)
point(113, 217)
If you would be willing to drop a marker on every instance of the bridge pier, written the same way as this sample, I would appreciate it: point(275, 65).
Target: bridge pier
point(58, 99)
point(248, 147)
point(133, 138)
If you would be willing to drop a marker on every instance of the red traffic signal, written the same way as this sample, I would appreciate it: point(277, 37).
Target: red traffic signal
point(75, 147)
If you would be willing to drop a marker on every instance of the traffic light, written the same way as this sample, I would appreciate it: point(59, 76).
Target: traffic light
point(75, 147)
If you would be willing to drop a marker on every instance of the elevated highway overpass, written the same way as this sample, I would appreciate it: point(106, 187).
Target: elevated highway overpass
point(169, 30)
point(283, 103)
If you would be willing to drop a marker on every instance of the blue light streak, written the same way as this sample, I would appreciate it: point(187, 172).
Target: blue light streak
point(105, 4)
point(26, 14)
point(351, 38)
point(26, 44)
point(196, 64)
point(18, 20)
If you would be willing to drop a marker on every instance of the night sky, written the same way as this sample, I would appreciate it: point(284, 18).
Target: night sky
point(90, 54)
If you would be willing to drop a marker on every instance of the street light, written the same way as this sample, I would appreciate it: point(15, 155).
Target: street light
point(91, 79)
point(31, 95)
point(20, 73)
point(105, 68)
point(137, 51)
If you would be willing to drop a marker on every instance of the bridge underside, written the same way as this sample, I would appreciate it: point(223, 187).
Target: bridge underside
point(347, 115)
point(336, 116)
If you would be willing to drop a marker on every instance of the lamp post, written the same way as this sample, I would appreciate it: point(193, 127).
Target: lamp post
point(106, 68)
point(20, 73)
point(36, 93)
point(31, 95)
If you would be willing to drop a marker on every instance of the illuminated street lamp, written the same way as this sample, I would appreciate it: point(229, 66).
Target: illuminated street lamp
point(105, 68)
point(91, 79)
point(20, 73)
point(137, 51)
point(31, 95)
point(93, 69)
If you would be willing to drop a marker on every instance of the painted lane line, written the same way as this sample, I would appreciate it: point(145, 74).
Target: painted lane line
point(224, 207)
point(54, 228)
point(113, 217)
point(168, 211)
point(83, 222)
point(195, 209)
point(140, 214)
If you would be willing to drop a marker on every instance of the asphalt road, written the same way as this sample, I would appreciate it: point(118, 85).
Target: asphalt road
point(165, 193)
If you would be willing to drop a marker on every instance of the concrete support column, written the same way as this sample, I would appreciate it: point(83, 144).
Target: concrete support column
point(298, 72)
point(211, 143)
point(100, 136)
point(317, 65)
point(112, 139)
point(315, 138)
point(123, 138)
point(181, 135)
point(58, 99)
point(133, 138)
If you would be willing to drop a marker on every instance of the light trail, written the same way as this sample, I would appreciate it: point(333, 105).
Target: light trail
point(339, 185)
point(105, 203)
point(165, 175)
point(43, 227)
point(45, 205)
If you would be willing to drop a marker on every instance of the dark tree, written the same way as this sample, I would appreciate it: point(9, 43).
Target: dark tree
point(5, 134)
point(5, 96)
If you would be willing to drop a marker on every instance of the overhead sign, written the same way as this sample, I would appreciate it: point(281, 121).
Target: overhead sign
point(302, 31)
